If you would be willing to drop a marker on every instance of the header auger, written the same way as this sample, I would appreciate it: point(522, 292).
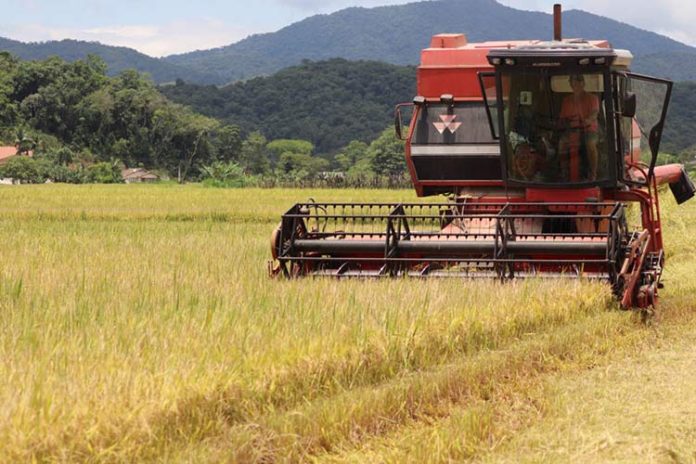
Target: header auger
point(538, 146)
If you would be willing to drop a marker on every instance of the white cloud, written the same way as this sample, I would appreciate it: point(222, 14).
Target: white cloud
point(153, 40)
point(132, 32)
point(673, 18)
point(316, 6)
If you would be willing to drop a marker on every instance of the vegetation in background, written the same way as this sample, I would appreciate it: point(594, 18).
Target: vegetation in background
point(292, 163)
point(74, 116)
point(83, 126)
point(328, 103)
point(226, 174)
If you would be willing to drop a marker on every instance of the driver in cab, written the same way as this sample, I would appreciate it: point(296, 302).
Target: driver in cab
point(579, 112)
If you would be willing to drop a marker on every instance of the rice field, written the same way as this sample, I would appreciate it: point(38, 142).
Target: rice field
point(139, 324)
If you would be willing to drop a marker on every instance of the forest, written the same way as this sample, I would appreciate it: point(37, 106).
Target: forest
point(83, 126)
point(74, 117)
point(328, 102)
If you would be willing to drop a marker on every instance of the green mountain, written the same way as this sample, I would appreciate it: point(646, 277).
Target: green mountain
point(333, 102)
point(329, 103)
point(678, 66)
point(393, 34)
point(680, 126)
point(117, 58)
point(396, 34)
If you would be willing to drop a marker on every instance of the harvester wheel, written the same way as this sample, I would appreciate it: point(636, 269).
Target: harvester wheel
point(632, 269)
point(275, 241)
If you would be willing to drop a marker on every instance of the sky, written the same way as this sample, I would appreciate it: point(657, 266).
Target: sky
point(164, 27)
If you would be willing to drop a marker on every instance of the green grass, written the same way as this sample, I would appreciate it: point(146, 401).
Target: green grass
point(139, 324)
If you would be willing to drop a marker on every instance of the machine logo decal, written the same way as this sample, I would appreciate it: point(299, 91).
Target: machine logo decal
point(447, 123)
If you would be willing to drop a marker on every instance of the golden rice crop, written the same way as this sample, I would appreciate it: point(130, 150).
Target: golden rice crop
point(138, 323)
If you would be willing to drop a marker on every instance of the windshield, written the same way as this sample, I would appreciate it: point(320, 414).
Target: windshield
point(463, 122)
point(555, 127)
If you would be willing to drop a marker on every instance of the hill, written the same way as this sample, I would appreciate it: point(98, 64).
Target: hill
point(329, 103)
point(117, 59)
point(333, 102)
point(393, 34)
point(681, 119)
point(396, 34)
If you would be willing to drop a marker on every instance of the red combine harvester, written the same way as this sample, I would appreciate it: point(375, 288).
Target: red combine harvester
point(537, 143)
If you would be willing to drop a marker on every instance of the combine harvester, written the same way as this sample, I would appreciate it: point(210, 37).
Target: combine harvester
point(537, 144)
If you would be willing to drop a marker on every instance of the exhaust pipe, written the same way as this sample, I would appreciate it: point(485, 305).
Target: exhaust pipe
point(557, 23)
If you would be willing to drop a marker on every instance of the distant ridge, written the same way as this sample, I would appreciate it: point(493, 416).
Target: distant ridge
point(392, 34)
point(116, 58)
point(396, 34)
point(328, 102)
point(333, 102)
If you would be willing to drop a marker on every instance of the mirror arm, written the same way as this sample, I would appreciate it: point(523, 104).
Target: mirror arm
point(397, 122)
point(654, 144)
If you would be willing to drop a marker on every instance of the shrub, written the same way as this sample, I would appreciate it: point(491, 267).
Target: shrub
point(25, 169)
point(104, 173)
point(226, 174)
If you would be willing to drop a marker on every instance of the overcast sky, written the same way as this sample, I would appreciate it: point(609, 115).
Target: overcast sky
point(163, 27)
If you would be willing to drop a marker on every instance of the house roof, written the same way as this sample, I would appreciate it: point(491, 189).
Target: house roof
point(7, 152)
point(10, 151)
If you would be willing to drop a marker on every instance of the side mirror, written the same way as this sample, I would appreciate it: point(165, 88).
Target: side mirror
point(399, 123)
point(655, 90)
point(629, 106)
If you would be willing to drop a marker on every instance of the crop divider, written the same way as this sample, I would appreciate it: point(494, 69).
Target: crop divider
point(396, 223)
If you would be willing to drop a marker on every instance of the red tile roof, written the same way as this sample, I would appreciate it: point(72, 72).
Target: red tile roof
point(7, 153)
point(10, 152)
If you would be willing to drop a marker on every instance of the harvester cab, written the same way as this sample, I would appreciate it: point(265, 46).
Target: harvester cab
point(538, 146)
point(571, 117)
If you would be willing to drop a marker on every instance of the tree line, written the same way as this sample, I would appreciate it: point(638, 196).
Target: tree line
point(292, 162)
point(83, 126)
point(74, 116)
point(330, 103)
